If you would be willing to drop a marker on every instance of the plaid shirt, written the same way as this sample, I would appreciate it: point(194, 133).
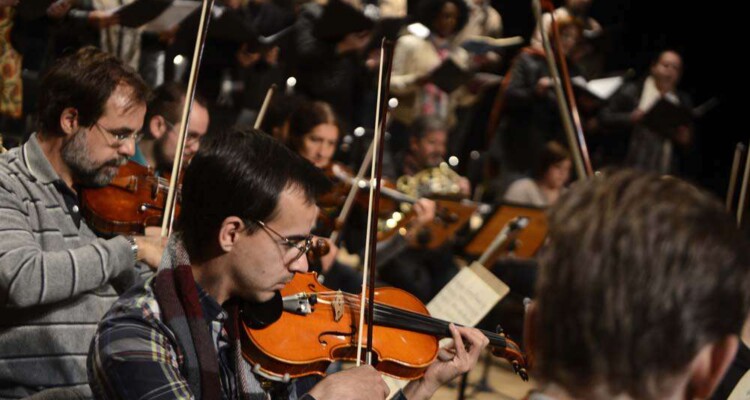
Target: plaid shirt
point(135, 355)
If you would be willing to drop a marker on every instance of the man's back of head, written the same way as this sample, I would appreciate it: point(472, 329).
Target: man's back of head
point(642, 274)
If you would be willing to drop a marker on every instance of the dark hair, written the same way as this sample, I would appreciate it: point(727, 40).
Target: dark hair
point(425, 124)
point(167, 101)
point(85, 80)
point(661, 53)
point(428, 10)
point(241, 173)
point(279, 109)
point(551, 154)
point(641, 271)
point(306, 117)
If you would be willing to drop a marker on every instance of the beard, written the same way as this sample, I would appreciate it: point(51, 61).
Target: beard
point(75, 154)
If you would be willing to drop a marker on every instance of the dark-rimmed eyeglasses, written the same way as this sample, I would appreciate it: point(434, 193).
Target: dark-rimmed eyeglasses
point(121, 137)
point(301, 244)
point(192, 137)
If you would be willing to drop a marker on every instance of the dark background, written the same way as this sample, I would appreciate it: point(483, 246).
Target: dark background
point(709, 36)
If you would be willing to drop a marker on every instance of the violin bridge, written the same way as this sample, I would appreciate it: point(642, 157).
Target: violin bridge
point(338, 306)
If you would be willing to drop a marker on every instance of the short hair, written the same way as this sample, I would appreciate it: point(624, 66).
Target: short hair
point(306, 117)
point(425, 124)
point(428, 10)
point(282, 105)
point(641, 271)
point(85, 80)
point(167, 101)
point(552, 153)
point(241, 173)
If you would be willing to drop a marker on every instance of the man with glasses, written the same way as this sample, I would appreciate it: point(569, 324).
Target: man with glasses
point(248, 205)
point(57, 279)
point(162, 128)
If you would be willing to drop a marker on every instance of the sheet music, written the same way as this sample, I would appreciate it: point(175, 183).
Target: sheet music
point(469, 296)
point(742, 390)
point(172, 16)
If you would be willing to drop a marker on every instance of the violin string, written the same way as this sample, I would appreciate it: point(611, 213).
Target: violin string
point(406, 317)
point(390, 314)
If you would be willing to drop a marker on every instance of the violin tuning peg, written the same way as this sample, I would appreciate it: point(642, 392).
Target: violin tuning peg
point(499, 331)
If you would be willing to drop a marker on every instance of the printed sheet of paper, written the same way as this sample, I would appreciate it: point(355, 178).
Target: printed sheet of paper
point(172, 16)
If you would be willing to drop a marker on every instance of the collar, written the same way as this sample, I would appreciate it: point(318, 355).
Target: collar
point(212, 310)
point(37, 163)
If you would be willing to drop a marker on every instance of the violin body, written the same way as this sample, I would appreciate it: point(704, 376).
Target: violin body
point(327, 334)
point(132, 201)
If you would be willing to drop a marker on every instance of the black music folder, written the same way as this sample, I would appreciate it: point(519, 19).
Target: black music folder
point(141, 12)
point(449, 76)
point(340, 19)
point(665, 117)
point(32, 9)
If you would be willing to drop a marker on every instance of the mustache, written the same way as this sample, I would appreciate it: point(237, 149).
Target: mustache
point(116, 162)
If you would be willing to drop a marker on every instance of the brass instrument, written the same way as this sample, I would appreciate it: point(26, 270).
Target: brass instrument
point(441, 181)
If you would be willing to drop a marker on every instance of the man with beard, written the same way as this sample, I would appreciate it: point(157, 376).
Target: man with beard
point(57, 279)
point(162, 127)
point(427, 149)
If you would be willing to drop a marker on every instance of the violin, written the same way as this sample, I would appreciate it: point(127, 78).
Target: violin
point(316, 326)
point(133, 200)
point(343, 178)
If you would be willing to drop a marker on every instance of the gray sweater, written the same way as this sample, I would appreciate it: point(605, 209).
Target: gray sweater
point(57, 279)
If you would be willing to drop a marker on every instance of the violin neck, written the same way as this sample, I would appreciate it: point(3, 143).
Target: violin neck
point(396, 195)
point(411, 321)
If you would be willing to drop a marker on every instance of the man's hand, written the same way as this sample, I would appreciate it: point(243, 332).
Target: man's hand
point(683, 136)
point(542, 85)
point(636, 116)
point(353, 42)
point(452, 361)
point(425, 210)
point(465, 186)
point(327, 260)
point(103, 19)
point(151, 247)
point(361, 383)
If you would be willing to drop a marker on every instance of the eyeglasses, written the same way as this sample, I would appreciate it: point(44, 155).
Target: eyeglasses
point(192, 137)
point(120, 135)
point(294, 243)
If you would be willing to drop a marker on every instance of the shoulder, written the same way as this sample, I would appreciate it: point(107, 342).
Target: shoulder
point(12, 172)
point(133, 330)
point(411, 41)
point(522, 185)
point(138, 303)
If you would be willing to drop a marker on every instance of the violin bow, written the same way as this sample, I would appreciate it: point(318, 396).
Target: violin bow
point(742, 204)
point(264, 107)
point(376, 172)
point(577, 144)
point(200, 41)
point(739, 150)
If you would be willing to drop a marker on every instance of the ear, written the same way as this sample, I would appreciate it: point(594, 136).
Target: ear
point(709, 366)
point(229, 232)
point(157, 126)
point(69, 121)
